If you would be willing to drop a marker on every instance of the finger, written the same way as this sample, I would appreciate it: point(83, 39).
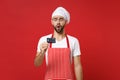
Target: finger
point(45, 44)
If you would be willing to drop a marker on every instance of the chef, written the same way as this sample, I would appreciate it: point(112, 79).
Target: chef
point(60, 50)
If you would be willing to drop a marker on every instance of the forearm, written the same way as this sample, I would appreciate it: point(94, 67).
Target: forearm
point(78, 72)
point(39, 59)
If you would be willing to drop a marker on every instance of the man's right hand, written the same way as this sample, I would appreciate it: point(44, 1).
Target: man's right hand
point(40, 55)
point(43, 47)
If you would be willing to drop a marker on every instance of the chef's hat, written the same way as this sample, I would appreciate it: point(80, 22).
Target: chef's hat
point(62, 12)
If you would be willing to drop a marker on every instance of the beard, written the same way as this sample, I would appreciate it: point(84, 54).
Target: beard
point(59, 29)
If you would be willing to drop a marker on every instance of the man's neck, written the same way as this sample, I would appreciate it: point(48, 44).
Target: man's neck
point(59, 36)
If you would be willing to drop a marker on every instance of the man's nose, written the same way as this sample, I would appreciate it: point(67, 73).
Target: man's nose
point(58, 21)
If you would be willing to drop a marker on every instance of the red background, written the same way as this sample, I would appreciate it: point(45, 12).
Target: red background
point(96, 23)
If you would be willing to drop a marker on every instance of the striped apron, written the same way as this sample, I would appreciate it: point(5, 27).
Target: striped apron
point(59, 63)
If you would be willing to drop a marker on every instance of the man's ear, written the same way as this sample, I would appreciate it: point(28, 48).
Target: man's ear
point(51, 21)
point(65, 22)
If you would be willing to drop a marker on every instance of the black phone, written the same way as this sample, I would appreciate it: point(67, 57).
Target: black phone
point(51, 40)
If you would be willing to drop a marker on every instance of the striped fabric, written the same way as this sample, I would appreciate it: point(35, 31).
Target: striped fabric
point(59, 65)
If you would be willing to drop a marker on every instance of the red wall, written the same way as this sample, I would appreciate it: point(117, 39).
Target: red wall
point(96, 23)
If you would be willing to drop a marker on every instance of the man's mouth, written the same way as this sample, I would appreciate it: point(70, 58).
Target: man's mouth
point(58, 26)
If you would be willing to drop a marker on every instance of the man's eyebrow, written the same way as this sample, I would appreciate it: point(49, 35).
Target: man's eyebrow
point(55, 18)
point(61, 18)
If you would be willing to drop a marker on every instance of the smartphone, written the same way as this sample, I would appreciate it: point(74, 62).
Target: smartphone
point(51, 40)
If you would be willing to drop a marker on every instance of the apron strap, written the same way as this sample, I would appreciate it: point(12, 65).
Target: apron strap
point(66, 41)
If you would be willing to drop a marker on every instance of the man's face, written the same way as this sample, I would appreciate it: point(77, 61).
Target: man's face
point(58, 23)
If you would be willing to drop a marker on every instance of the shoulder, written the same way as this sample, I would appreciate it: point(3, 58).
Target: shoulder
point(73, 41)
point(72, 38)
point(43, 38)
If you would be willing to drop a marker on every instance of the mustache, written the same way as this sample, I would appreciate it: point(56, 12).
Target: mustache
point(57, 24)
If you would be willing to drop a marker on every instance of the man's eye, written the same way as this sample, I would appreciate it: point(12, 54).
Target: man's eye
point(54, 19)
point(61, 19)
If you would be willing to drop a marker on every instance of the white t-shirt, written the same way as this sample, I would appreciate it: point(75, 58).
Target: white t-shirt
point(73, 42)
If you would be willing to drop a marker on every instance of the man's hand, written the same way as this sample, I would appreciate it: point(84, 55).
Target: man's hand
point(43, 47)
point(40, 55)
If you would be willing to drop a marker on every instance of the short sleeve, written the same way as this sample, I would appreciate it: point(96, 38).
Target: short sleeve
point(76, 50)
point(41, 40)
point(38, 46)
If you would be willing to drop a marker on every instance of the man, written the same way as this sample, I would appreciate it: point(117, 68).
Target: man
point(59, 54)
